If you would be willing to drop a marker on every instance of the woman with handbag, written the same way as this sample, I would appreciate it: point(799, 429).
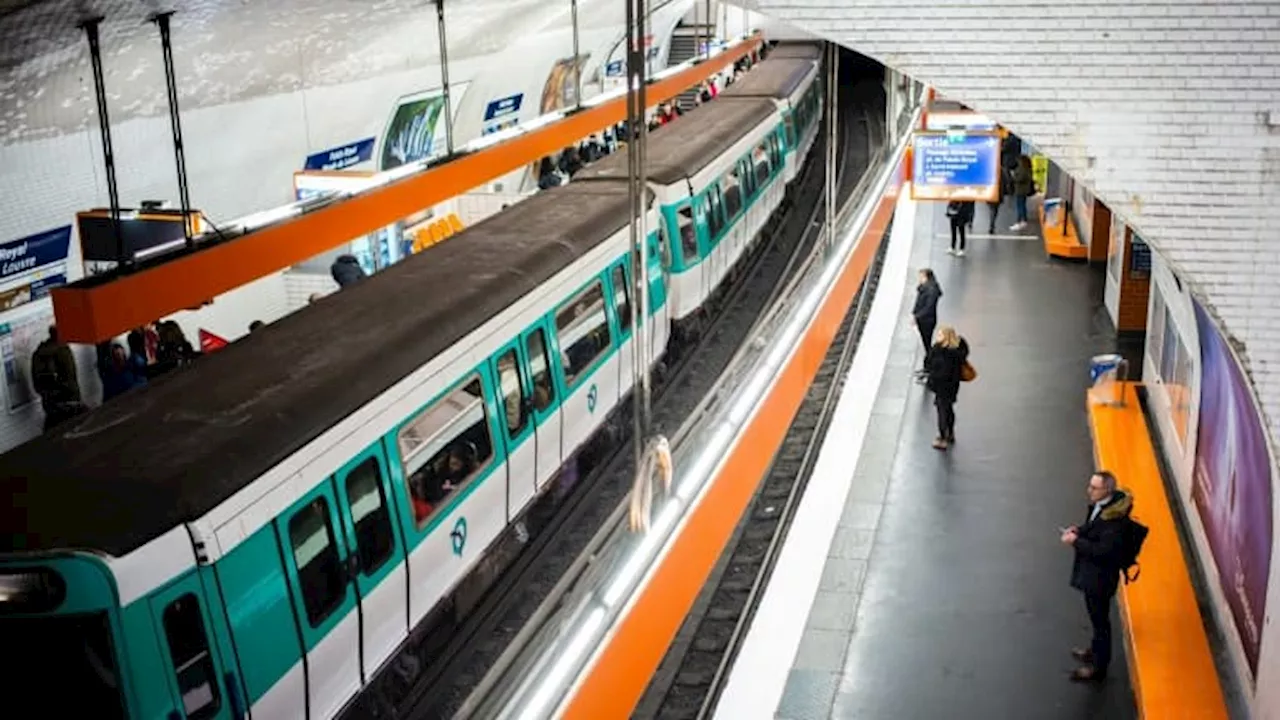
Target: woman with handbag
point(948, 366)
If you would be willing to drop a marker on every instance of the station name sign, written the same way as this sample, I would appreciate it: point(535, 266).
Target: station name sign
point(955, 165)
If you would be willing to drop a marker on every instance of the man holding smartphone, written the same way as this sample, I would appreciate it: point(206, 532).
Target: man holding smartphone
point(1098, 545)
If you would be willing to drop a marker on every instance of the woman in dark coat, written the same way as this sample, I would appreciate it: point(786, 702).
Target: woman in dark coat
point(946, 360)
point(925, 310)
point(961, 214)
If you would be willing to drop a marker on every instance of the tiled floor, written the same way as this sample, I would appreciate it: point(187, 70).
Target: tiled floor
point(945, 591)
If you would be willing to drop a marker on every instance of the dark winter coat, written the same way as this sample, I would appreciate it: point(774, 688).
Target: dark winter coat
point(1023, 182)
point(943, 367)
point(53, 373)
point(1096, 570)
point(960, 212)
point(346, 270)
point(925, 310)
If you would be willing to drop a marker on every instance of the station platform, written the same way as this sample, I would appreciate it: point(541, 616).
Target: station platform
point(922, 584)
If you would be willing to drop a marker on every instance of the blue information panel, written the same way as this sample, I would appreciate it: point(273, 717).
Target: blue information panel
point(343, 157)
point(955, 165)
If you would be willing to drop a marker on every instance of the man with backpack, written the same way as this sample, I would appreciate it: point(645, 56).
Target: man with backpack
point(53, 374)
point(1106, 546)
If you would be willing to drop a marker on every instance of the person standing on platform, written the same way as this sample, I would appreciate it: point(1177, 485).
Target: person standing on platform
point(945, 365)
point(1024, 186)
point(1006, 181)
point(53, 374)
point(925, 312)
point(1098, 545)
point(961, 214)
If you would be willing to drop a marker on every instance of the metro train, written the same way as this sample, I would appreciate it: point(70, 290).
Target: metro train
point(258, 535)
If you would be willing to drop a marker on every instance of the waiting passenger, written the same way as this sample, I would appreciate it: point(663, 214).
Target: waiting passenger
point(175, 351)
point(960, 212)
point(1005, 185)
point(1099, 546)
point(925, 312)
point(1024, 186)
point(53, 374)
point(121, 372)
point(346, 271)
point(945, 365)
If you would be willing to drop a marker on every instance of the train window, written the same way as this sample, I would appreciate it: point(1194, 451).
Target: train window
point(732, 193)
point(663, 248)
point(583, 329)
point(622, 298)
point(715, 218)
point(320, 575)
point(748, 177)
point(192, 662)
point(791, 125)
point(688, 236)
point(445, 447)
point(544, 392)
point(369, 515)
point(512, 392)
point(761, 159)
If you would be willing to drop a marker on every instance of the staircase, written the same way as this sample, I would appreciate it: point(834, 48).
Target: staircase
point(684, 45)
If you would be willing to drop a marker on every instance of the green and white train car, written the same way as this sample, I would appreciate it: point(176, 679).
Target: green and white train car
point(259, 535)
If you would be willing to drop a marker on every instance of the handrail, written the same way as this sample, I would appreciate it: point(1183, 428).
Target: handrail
point(104, 306)
point(561, 658)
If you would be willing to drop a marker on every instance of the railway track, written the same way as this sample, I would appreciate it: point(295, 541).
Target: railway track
point(463, 645)
point(692, 675)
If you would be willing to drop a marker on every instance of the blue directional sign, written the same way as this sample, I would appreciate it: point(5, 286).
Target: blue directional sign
point(503, 106)
point(341, 157)
point(956, 165)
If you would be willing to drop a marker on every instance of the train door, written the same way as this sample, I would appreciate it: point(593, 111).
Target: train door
point(585, 346)
point(515, 394)
point(546, 409)
point(688, 279)
point(320, 569)
point(619, 278)
point(375, 556)
point(181, 620)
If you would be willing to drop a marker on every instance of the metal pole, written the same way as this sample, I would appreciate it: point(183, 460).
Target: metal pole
point(577, 65)
point(707, 35)
point(90, 28)
point(833, 89)
point(637, 58)
point(642, 277)
point(175, 124)
point(700, 32)
point(444, 76)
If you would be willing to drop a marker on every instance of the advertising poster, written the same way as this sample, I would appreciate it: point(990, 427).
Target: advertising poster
point(1232, 486)
point(561, 89)
point(17, 342)
point(416, 130)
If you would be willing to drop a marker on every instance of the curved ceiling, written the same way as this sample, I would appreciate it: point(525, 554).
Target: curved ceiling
point(230, 50)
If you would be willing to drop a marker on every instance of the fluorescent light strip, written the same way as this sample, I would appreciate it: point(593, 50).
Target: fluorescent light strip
point(554, 681)
point(635, 565)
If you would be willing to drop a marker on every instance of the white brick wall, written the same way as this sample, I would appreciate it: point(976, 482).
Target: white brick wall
point(1160, 107)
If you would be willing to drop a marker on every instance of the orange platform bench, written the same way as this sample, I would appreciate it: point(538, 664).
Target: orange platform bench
point(1170, 663)
point(1060, 241)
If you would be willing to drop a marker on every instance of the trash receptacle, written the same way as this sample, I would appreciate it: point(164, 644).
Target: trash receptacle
point(1103, 375)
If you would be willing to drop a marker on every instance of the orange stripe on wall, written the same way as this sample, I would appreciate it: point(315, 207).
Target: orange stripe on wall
point(640, 640)
point(98, 309)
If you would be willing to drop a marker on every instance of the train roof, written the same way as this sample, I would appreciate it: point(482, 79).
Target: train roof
point(683, 148)
point(797, 49)
point(166, 454)
point(774, 78)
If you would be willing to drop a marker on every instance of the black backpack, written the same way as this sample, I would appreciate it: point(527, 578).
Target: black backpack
point(1132, 535)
